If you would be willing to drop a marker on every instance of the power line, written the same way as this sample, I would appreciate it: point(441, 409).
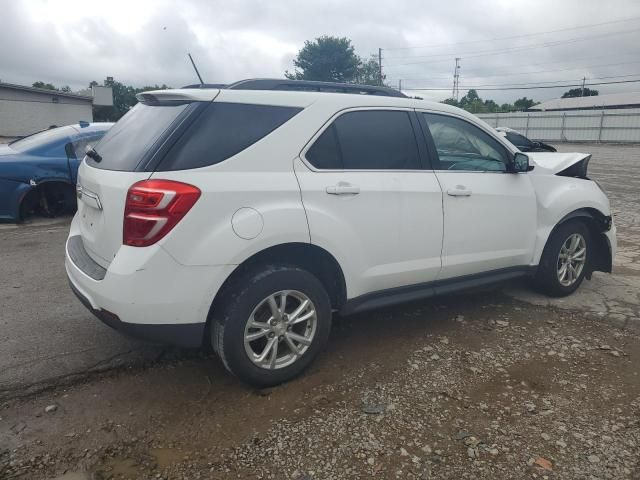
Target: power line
point(550, 81)
point(528, 73)
point(485, 53)
point(517, 36)
point(531, 88)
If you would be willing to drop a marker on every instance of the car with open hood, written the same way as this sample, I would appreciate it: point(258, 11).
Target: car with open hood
point(242, 218)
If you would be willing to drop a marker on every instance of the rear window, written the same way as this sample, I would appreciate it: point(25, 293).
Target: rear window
point(222, 131)
point(130, 141)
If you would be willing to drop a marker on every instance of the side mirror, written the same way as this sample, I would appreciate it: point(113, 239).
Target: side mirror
point(520, 163)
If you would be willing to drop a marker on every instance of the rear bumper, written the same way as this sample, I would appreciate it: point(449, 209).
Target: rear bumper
point(144, 292)
point(189, 335)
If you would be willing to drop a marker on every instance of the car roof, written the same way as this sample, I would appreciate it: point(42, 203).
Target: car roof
point(302, 99)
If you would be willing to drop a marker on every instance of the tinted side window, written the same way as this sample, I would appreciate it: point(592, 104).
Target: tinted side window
point(222, 131)
point(367, 140)
point(377, 140)
point(463, 146)
point(325, 152)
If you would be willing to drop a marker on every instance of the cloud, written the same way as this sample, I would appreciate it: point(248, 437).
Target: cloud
point(146, 42)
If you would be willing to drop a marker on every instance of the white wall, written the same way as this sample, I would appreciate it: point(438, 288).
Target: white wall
point(621, 125)
point(23, 113)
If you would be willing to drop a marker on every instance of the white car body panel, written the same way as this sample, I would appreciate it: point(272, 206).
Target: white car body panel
point(403, 228)
point(550, 163)
point(386, 236)
point(491, 228)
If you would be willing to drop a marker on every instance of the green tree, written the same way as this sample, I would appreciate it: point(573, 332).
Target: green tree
point(369, 72)
point(333, 59)
point(523, 103)
point(472, 102)
point(124, 97)
point(328, 59)
point(579, 92)
point(46, 86)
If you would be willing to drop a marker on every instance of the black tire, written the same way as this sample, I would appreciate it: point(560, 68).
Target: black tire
point(546, 279)
point(240, 300)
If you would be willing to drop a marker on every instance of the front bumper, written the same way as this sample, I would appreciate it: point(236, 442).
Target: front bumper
point(145, 293)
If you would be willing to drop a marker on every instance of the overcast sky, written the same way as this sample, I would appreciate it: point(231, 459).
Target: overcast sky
point(141, 42)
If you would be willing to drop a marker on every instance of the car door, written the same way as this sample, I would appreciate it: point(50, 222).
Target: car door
point(489, 214)
point(371, 199)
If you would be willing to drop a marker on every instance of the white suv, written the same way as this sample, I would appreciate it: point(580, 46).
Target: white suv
point(240, 218)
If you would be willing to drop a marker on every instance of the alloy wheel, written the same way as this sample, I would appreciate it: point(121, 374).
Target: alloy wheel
point(280, 329)
point(571, 259)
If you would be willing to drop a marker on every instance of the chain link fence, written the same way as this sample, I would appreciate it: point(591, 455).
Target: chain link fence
point(614, 126)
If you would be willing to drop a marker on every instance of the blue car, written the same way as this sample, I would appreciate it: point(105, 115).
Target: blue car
point(38, 172)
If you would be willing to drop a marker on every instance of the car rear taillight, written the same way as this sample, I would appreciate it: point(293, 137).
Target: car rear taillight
point(153, 208)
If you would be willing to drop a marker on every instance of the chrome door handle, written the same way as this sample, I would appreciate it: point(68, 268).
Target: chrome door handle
point(459, 191)
point(343, 189)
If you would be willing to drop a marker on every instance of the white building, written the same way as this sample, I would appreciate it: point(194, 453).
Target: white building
point(25, 110)
point(596, 102)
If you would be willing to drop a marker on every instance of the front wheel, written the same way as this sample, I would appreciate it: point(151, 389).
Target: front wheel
point(565, 260)
point(272, 325)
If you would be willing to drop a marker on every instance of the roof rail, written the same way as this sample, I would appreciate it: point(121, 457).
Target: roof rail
point(206, 85)
point(304, 86)
point(313, 86)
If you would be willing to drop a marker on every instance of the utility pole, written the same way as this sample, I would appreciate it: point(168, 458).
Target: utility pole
point(400, 84)
point(582, 91)
point(379, 66)
point(455, 93)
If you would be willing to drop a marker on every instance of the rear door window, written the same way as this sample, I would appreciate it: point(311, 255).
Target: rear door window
point(367, 140)
point(132, 138)
point(222, 131)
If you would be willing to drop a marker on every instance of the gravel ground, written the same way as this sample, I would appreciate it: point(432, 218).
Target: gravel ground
point(480, 385)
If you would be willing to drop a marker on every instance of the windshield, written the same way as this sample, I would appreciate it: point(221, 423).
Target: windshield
point(131, 139)
point(42, 139)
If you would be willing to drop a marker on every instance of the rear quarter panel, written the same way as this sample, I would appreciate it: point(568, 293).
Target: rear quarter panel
point(260, 178)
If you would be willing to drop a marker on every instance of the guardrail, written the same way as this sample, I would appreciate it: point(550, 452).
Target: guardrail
point(615, 126)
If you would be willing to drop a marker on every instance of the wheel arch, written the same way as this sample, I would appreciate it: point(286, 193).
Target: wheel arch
point(44, 189)
point(598, 224)
point(310, 257)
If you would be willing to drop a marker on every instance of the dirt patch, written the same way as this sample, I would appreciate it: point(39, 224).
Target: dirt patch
point(453, 389)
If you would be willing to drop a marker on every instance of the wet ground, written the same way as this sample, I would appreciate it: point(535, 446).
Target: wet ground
point(500, 383)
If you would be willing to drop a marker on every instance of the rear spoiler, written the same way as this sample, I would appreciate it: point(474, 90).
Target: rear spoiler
point(173, 97)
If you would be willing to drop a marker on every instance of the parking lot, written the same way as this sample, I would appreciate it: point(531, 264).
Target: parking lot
point(501, 383)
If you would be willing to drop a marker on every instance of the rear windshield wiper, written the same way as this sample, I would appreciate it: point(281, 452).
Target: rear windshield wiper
point(91, 153)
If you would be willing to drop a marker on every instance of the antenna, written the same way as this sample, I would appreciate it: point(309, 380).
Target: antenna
point(196, 69)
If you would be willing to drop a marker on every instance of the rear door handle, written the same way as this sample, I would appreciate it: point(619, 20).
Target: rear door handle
point(459, 191)
point(343, 189)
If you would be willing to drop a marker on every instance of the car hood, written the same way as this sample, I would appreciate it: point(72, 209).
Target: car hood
point(550, 163)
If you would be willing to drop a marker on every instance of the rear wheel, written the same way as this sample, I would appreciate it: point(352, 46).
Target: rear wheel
point(272, 325)
point(565, 260)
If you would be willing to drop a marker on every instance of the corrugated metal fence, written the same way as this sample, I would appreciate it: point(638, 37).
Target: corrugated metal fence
point(619, 126)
